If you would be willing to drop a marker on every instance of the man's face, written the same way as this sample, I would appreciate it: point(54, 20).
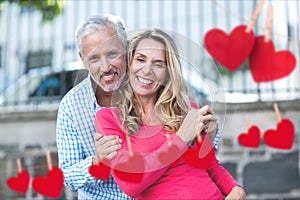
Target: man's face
point(104, 56)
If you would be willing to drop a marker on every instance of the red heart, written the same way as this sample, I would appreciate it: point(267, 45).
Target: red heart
point(268, 65)
point(282, 137)
point(201, 157)
point(170, 156)
point(250, 139)
point(131, 171)
point(19, 183)
point(100, 171)
point(231, 51)
point(51, 185)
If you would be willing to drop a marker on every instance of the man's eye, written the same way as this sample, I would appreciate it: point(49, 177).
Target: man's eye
point(93, 59)
point(112, 54)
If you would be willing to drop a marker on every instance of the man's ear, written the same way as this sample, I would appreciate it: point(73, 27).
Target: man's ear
point(82, 59)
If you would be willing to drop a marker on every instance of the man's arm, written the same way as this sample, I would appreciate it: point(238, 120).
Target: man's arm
point(72, 160)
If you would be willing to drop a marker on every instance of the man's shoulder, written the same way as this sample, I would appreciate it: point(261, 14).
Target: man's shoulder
point(78, 93)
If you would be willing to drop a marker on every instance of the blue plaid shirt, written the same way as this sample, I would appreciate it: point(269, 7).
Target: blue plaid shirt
point(75, 144)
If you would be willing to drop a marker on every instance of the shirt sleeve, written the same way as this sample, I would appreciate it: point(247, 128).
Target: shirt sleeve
point(71, 157)
point(222, 177)
point(108, 123)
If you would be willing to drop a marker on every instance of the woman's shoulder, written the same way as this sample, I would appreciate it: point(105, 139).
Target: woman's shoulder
point(107, 112)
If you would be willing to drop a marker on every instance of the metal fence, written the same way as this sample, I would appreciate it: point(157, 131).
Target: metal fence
point(30, 48)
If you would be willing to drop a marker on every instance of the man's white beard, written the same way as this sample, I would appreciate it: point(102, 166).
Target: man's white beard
point(114, 88)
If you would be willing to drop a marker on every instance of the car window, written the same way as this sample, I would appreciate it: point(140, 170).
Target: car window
point(58, 84)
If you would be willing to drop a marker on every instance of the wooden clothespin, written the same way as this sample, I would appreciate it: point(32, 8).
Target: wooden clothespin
point(129, 145)
point(277, 112)
point(254, 16)
point(19, 164)
point(49, 162)
point(168, 136)
point(248, 121)
point(269, 24)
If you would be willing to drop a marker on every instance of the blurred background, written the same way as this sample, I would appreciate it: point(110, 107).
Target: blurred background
point(39, 64)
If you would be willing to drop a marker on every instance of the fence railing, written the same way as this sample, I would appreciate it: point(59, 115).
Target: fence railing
point(27, 44)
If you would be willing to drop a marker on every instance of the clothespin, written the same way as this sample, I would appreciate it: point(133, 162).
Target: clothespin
point(168, 139)
point(254, 16)
point(49, 162)
point(248, 121)
point(277, 112)
point(269, 24)
point(19, 164)
point(129, 145)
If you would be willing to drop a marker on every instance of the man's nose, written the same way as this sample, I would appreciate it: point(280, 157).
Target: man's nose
point(105, 64)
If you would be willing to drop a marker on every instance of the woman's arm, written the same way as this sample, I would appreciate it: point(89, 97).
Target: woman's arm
point(146, 167)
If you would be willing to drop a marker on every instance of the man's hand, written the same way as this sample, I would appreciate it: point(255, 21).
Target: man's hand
point(237, 193)
point(106, 146)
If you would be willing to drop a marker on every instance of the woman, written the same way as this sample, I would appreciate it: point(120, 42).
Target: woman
point(150, 108)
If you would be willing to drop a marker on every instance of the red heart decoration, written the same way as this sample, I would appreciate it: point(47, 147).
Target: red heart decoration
point(230, 50)
point(19, 183)
point(132, 170)
point(268, 65)
point(100, 171)
point(282, 137)
point(201, 157)
point(171, 156)
point(51, 185)
point(250, 139)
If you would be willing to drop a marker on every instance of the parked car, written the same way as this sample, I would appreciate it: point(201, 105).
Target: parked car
point(42, 85)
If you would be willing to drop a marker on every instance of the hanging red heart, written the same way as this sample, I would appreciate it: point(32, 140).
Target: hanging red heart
point(51, 185)
point(250, 139)
point(170, 156)
point(19, 183)
point(268, 65)
point(202, 156)
point(132, 170)
point(282, 137)
point(229, 50)
point(100, 171)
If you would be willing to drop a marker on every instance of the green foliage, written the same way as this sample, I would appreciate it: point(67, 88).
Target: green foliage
point(49, 8)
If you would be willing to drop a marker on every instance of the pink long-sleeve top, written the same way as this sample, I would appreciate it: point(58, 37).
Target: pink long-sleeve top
point(168, 178)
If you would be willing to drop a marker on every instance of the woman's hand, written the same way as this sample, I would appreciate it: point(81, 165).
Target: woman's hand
point(196, 121)
point(237, 193)
point(106, 146)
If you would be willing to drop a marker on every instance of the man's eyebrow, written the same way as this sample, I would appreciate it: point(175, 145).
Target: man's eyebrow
point(93, 56)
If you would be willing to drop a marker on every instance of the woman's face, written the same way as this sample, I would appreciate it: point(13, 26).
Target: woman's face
point(148, 68)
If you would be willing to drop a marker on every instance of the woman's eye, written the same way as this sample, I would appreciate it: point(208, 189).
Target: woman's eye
point(160, 65)
point(140, 59)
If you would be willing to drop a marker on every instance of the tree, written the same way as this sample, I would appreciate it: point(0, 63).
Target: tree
point(49, 8)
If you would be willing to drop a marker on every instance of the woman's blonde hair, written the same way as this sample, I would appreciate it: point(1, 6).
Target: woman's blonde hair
point(172, 102)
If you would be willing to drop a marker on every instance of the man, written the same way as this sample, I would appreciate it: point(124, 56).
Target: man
point(101, 42)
